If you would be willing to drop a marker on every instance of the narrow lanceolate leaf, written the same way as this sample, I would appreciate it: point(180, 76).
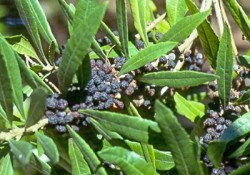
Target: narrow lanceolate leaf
point(176, 10)
point(28, 17)
point(14, 73)
point(131, 127)
point(122, 21)
point(79, 165)
point(207, 36)
point(242, 170)
point(224, 66)
point(77, 47)
point(215, 152)
point(243, 150)
point(84, 72)
point(83, 11)
point(6, 91)
point(89, 155)
point(244, 99)
point(177, 141)
point(67, 9)
point(6, 166)
point(49, 147)
point(237, 129)
point(138, 8)
point(239, 16)
point(190, 109)
point(129, 162)
point(177, 79)
point(22, 151)
point(42, 23)
point(147, 55)
point(183, 28)
point(36, 108)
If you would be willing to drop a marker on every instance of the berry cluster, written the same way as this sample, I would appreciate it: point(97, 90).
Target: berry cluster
point(59, 115)
point(194, 61)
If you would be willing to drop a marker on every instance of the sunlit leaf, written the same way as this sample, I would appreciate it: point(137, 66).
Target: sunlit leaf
point(6, 166)
point(190, 109)
point(177, 141)
point(79, 165)
point(176, 10)
point(89, 155)
point(129, 162)
point(177, 79)
point(184, 27)
point(147, 55)
point(77, 47)
point(224, 66)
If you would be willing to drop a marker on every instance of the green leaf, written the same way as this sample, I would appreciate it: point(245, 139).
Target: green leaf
point(77, 47)
point(138, 8)
point(84, 72)
point(183, 28)
point(242, 150)
point(89, 155)
point(110, 35)
point(224, 66)
point(67, 9)
point(177, 79)
point(215, 152)
point(244, 60)
point(176, 10)
point(6, 90)
point(238, 128)
point(239, 16)
point(49, 147)
point(131, 127)
point(242, 170)
point(6, 166)
point(207, 36)
point(177, 141)
point(52, 51)
point(14, 73)
point(129, 162)
point(28, 16)
point(98, 50)
point(42, 23)
point(107, 134)
point(40, 165)
point(190, 109)
point(26, 72)
point(36, 108)
point(244, 99)
point(22, 151)
point(79, 165)
point(122, 21)
point(147, 55)
point(163, 159)
point(22, 46)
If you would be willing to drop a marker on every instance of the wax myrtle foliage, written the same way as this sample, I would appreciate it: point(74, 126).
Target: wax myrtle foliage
point(171, 98)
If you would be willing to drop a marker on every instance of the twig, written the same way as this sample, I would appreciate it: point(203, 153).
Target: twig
point(153, 24)
point(18, 132)
point(218, 16)
point(226, 20)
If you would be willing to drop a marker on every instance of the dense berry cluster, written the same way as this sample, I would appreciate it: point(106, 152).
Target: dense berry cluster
point(59, 115)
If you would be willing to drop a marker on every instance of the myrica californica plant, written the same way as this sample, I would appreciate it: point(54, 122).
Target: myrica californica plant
point(148, 104)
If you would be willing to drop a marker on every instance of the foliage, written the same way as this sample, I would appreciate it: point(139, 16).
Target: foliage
point(124, 103)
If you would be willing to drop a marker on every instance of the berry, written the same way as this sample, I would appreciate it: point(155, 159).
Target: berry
point(96, 96)
point(146, 103)
point(62, 104)
point(51, 103)
point(207, 138)
point(221, 120)
point(108, 103)
point(104, 96)
point(124, 84)
point(61, 128)
point(171, 56)
point(68, 118)
point(61, 120)
point(97, 80)
point(128, 77)
point(163, 60)
point(108, 77)
point(158, 35)
point(52, 120)
point(139, 44)
point(209, 122)
point(101, 87)
point(99, 63)
point(130, 90)
point(101, 73)
point(61, 114)
point(219, 128)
